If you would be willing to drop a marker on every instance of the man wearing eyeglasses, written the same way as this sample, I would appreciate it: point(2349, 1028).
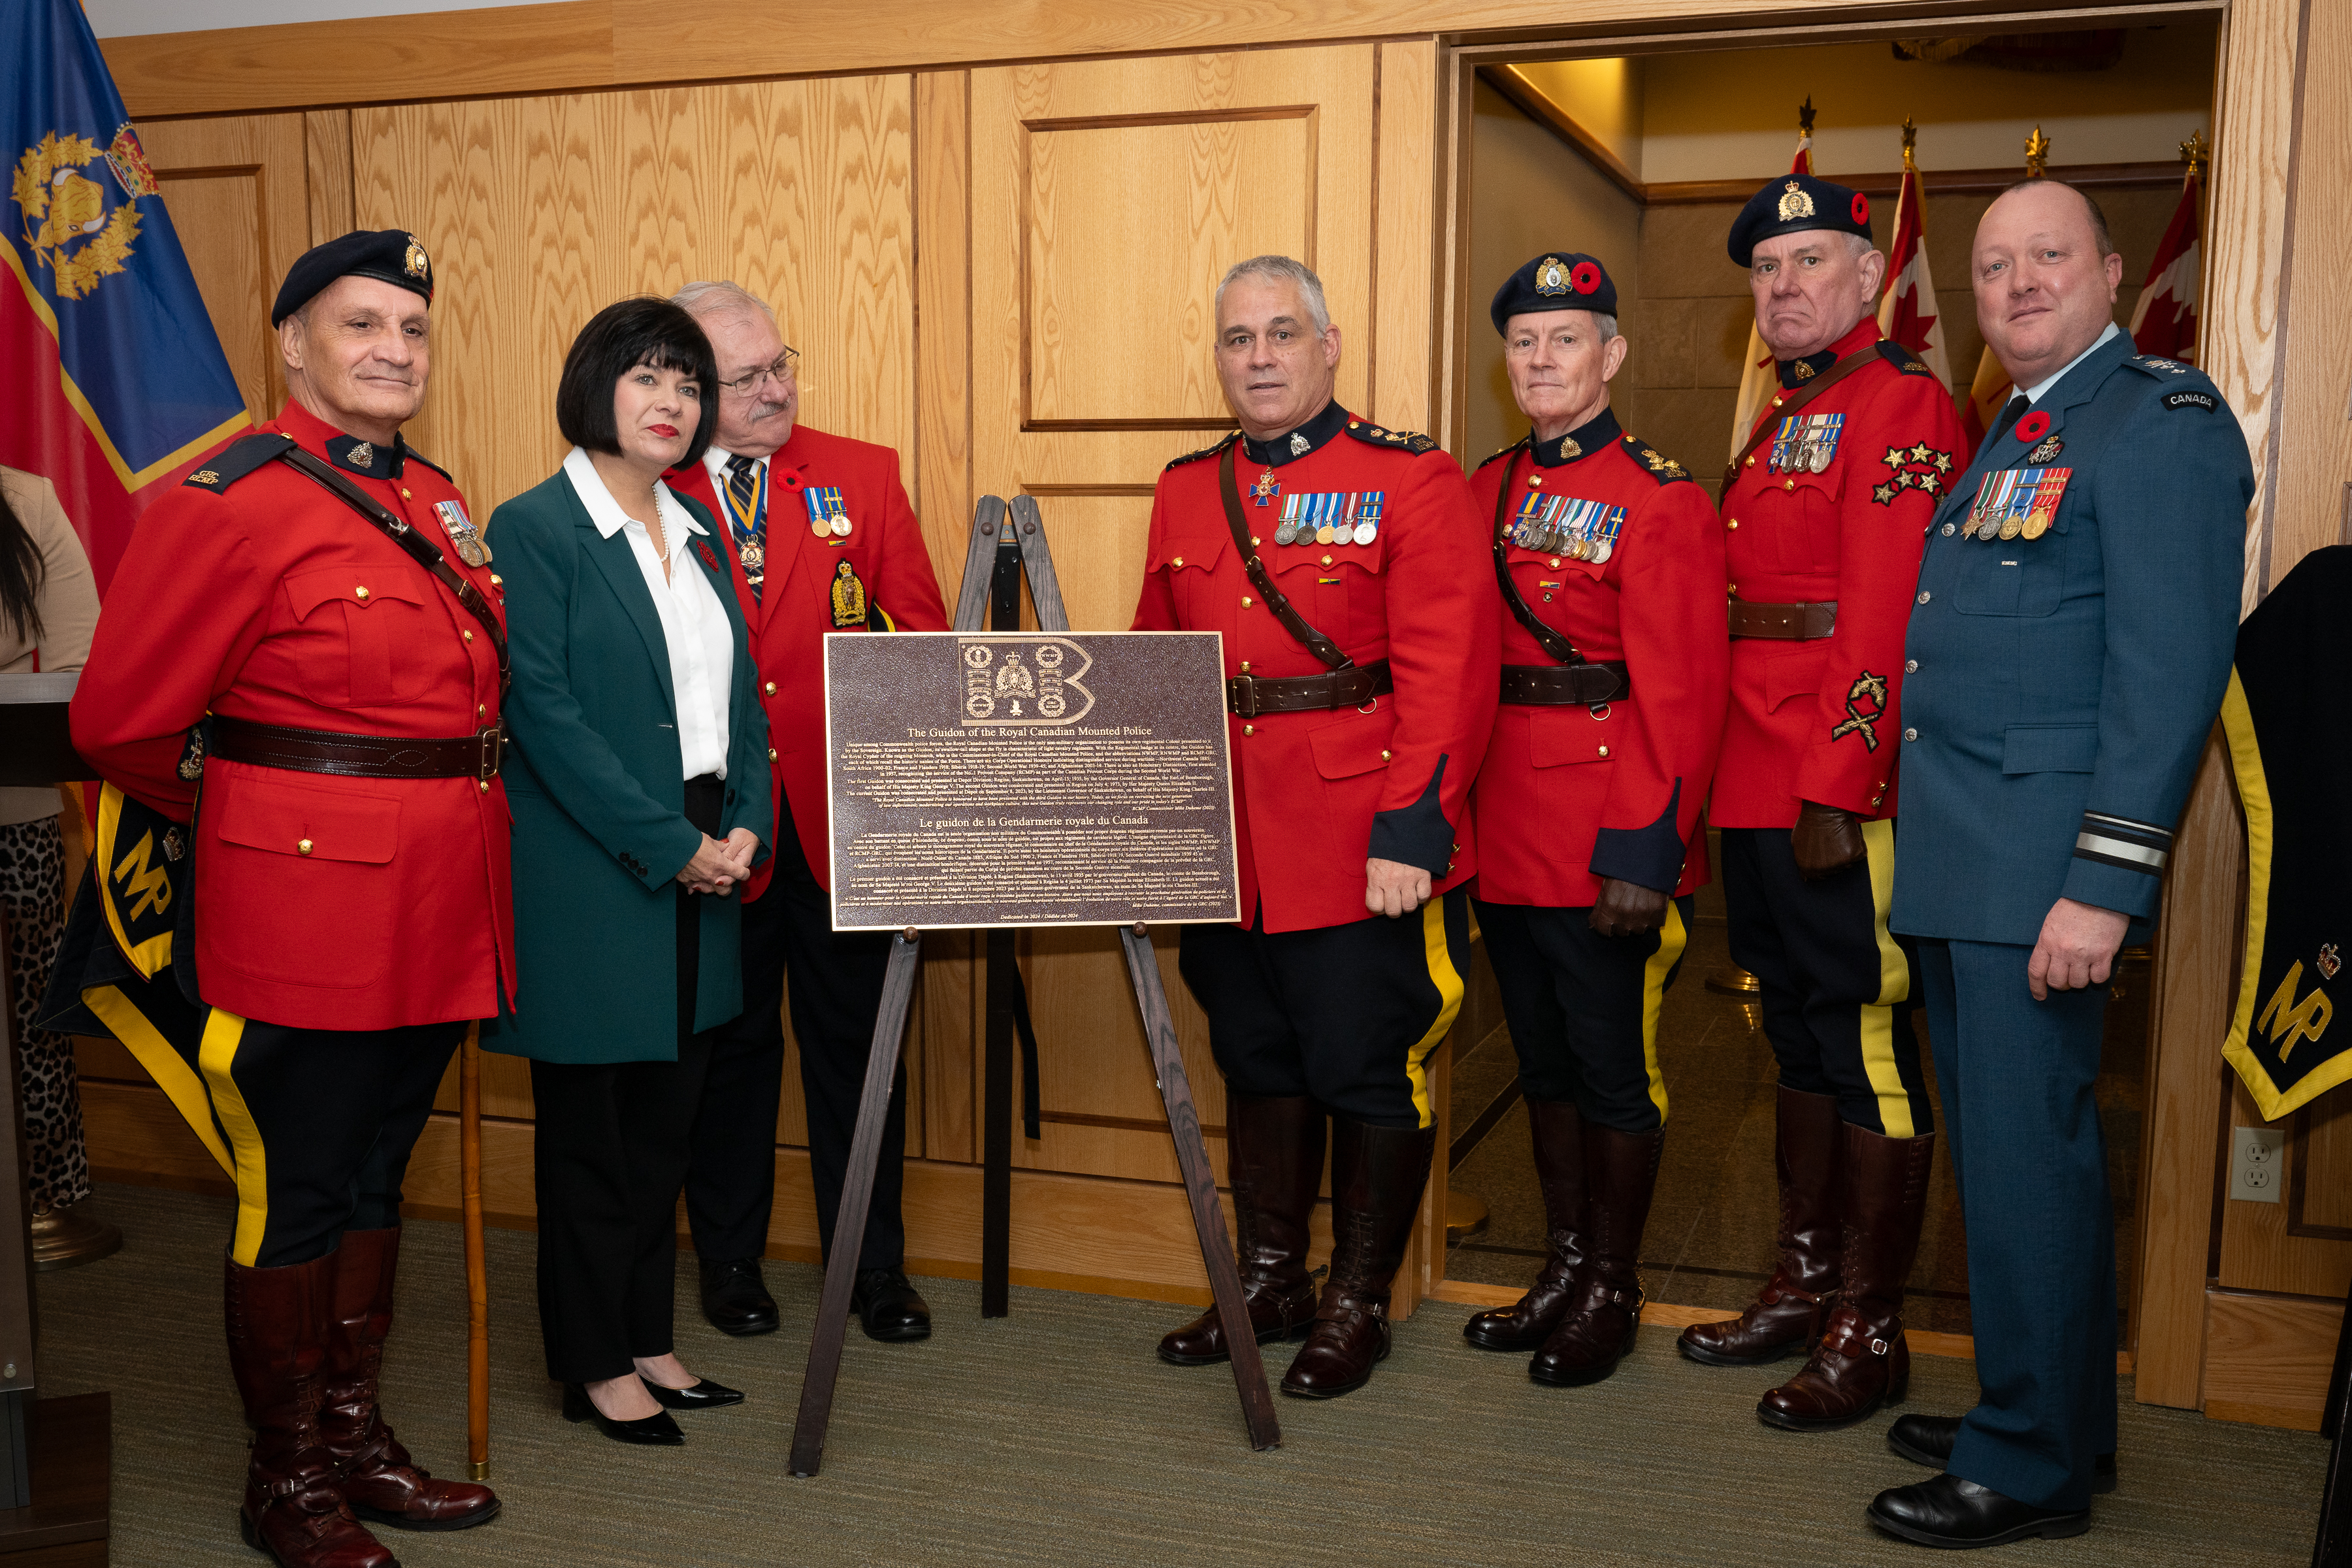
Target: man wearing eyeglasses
point(824, 542)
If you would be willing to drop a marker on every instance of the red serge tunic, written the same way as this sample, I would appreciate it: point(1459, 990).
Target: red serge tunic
point(1833, 508)
point(1570, 795)
point(323, 902)
point(885, 553)
point(1316, 794)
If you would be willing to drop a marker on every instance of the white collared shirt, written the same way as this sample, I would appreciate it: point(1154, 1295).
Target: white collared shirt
point(694, 624)
point(2034, 394)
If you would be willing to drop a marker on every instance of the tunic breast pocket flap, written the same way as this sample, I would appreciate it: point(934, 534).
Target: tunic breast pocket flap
point(2050, 749)
point(1198, 552)
point(308, 823)
point(1354, 746)
point(378, 614)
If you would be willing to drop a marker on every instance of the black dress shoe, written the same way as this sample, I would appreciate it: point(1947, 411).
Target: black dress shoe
point(700, 1394)
point(1948, 1511)
point(736, 1299)
point(657, 1428)
point(1927, 1440)
point(887, 1307)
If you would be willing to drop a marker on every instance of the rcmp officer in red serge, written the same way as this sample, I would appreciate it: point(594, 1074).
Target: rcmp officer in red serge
point(320, 590)
point(1821, 516)
point(1614, 666)
point(1344, 567)
point(824, 542)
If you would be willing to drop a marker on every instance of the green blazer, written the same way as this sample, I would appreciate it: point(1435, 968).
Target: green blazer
point(594, 780)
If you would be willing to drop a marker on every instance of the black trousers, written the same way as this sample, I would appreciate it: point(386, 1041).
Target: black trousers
point(836, 990)
point(1838, 989)
point(609, 1155)
point(1583, 1008)
point(318, 1125)
point(1347, 1013)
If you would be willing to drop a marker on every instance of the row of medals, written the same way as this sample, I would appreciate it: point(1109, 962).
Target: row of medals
point(1350, 529)
point(1983, 522)
point(1572, 542)
point(2010, 527)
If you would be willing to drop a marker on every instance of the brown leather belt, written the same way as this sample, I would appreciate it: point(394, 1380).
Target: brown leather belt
point(1247, 696)
point(474, 756)
point(1565, 685)
point(1787, 623)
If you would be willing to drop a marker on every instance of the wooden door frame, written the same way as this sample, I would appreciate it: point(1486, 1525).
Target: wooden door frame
point(2257, 135)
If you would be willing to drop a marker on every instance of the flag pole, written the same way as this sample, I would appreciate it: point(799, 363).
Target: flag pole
point(477, 1283)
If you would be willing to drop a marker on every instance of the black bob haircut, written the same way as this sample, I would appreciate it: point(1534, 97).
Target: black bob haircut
point(616, 339)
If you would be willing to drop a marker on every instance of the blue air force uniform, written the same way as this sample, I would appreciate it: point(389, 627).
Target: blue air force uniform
point(2068, 650)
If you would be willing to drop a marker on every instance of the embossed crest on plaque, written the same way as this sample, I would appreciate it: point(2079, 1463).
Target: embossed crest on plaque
point(1023, 681)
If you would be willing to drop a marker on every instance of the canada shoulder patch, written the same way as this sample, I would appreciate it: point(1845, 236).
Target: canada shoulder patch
point(1902, 359)
point(1204, 452)
point(2189, 398)
point(1411, 441)
point(1655, 463)
point(1504, 453)
point(237, 461)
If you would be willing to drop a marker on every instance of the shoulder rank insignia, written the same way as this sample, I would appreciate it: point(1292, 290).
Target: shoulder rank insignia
point(2151, 364)
point(239, 459)
point(1663, 468)
point(1504, 453)
point(1902, 359)
point(1204, 452)
point(1411, 441)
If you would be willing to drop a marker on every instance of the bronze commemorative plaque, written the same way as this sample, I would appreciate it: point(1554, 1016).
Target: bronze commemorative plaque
point(1028, 779)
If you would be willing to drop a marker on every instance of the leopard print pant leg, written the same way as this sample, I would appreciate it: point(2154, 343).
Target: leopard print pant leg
point(33, 893)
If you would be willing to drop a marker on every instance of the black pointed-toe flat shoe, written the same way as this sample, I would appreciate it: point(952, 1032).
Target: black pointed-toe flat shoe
point(1927, 1440)
point(1950, 1512)
point(657, 1429)
point(700, 1394)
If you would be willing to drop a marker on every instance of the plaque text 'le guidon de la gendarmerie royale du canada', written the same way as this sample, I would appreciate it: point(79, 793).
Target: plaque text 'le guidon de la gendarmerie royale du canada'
point(1038, 778)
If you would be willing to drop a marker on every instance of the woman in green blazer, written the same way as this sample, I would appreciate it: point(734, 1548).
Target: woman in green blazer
point(639, 787)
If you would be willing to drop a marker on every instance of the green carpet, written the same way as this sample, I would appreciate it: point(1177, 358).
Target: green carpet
point(1054, 1436)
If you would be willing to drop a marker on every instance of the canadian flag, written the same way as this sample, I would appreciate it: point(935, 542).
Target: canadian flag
point(1907, 311)
point(2164, 321)
point(1758, 379)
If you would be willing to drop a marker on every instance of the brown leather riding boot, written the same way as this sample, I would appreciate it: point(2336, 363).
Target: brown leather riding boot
point(1559, 1130)
point(378, 1479)
point(1377, 1177)
point(1604, 1312)
point(1861, 1362)
point(276, 1321)
point(1783, 1320)
point(1274, 1153)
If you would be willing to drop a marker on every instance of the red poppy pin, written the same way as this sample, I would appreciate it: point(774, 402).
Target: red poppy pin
point(2033, 427)
point(702, 548)
point(1585, 279)
point(1861, 208)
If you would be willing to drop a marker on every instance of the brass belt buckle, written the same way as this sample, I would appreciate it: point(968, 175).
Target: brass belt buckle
point(492, 739)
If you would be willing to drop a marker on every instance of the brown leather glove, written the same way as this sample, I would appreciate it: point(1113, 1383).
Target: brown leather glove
point(1626, 909)
point(1825, 839)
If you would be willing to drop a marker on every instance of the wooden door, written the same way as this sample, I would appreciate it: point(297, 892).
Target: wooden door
point(1106, 200)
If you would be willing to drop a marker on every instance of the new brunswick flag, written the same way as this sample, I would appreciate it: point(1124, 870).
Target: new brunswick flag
point(116, 382)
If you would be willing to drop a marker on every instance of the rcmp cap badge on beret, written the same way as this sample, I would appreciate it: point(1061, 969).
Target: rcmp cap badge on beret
point(389, 254)
point(1788, 204)
point(1557, 281)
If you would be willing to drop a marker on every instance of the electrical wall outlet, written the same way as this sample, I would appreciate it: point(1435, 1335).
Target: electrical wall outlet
point(2258, 1164)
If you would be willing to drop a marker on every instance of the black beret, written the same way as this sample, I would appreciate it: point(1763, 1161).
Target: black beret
point(391, 254)
point(1555, 281)
point(1790, 203)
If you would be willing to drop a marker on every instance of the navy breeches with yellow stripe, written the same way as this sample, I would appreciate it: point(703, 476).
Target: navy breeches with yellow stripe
point(1583, 1007)
point(1347, 1013)
point(318, 1125)
point(1838, 992)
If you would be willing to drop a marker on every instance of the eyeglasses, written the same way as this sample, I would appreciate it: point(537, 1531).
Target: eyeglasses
point(781, 373)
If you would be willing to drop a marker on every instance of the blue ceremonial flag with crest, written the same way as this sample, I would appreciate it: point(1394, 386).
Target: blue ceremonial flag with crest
point(118, 381)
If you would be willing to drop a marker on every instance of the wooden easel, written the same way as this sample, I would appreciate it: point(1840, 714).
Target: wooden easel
point(1004, 548)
